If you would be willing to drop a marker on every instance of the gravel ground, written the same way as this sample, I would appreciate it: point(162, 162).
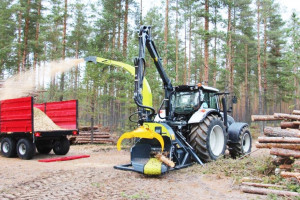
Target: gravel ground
point(95, 178)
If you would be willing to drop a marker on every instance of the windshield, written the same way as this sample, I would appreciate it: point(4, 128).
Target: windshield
point(185, 102)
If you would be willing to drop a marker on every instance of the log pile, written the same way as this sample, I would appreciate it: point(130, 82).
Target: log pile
point(101, 135)
point(284, 145)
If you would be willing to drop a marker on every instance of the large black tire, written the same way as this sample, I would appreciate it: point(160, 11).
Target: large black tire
point(25, 149)
point(8, 147)
point(243, 146)
point(44, 147)
point(61, 147)
point(209, 138)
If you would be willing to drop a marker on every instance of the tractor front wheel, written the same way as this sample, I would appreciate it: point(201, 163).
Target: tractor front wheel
point(209, 138)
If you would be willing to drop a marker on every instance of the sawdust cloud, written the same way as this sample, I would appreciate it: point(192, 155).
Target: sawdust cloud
point(23, 84)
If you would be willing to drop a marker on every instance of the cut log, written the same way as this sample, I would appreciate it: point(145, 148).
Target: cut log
point(264, 191)
point(278, 132)
point(278, 145)
point(286, 167)
point(249, 179)
point(286, 116)
point(285, 125)
point(285, 152)
point(262, 185)
point(165, 160)
point(290, 175)
point(278, 140)
point(296, 122)
point(296, 112)
point(264, 118)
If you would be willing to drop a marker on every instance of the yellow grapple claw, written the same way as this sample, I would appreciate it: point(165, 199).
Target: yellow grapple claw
point(141, 132)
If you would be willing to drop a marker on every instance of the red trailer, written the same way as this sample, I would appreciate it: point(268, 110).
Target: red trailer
point(17, 133)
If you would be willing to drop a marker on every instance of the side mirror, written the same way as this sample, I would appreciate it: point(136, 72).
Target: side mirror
point(234, 100)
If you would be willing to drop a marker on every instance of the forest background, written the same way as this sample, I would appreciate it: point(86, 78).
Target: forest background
point(240, 46)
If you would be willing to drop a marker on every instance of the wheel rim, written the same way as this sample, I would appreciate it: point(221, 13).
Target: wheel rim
point(246, 142)
point(22, 149)
point(5, 147)
point(216, 140)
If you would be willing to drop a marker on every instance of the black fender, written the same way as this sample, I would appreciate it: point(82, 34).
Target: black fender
point(234, 131)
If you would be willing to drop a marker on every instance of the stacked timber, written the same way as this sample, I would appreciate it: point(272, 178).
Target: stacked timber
point(284, 145)
point(95, 135)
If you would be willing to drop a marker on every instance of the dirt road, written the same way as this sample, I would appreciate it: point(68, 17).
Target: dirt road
point(95, 178)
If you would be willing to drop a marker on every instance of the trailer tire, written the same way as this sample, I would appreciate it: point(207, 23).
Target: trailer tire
point(209, 138)
point(243, 146)
point(61, 147)
point(44, 147)
point(8, 147)
point(25, 149)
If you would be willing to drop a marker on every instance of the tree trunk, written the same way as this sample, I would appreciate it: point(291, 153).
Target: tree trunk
point(206, 41)
point(141, 14)
point(246, 114)
point(184, 70)
point(278, 145)
point(19, 40)
point(278, 132)
point(62, 78)
point(265, 66)
point(215, 50)
point(260, 111)
point(119, 24)
point(228, 56)
point(264, 191)
point(262, 185)
point(166, 34)
point(26, 33)
point(177, 44)
point(278, 140)
point(37, 32)
point(291, 175)
point(190, 48)
point(125, 34)
point(285, 152)
point(285, 125)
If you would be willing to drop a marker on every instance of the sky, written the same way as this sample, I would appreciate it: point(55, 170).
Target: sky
point(289, 6)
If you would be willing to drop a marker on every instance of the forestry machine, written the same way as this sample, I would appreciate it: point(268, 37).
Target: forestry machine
point(192, 124)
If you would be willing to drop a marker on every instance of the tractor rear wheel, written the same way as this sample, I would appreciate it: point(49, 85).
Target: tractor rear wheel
point(243, 146)
point(209, 138)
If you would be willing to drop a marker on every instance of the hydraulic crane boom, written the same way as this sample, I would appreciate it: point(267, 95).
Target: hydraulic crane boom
point(146, 41)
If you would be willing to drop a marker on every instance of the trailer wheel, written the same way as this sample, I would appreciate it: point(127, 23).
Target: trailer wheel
point(8, 147)
point(243, 146)
point(209, 138)
point(25, 149)
point(61, 147)
point(44, 147)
